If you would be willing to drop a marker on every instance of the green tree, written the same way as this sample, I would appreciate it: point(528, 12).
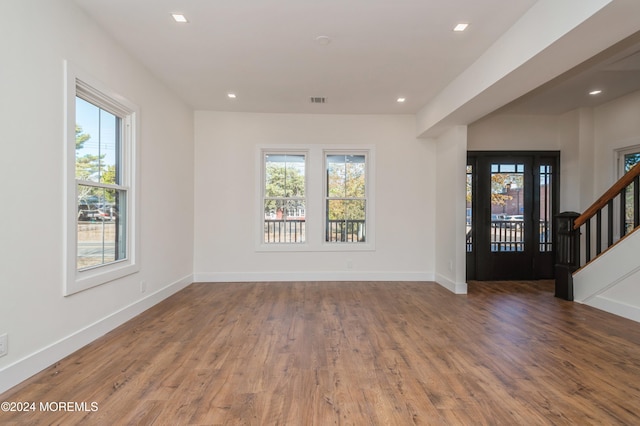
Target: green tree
point(630, 160)
point(91, 167)
point(469, 184)
point(109, 174)
point(346, 190)
point(283, 182)
point(81, 138)
point(500, 183)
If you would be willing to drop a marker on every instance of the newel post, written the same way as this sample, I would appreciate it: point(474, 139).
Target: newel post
point(567, 254)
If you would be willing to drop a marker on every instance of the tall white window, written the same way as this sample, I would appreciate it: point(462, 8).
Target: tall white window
point(100, 190)
point(346, 197)
point(284, 197)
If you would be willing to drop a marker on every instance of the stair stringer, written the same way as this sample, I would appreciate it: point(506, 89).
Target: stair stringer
point(611, 282)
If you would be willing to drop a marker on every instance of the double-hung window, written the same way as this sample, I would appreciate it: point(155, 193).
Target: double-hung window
point(346, 198)
point(315, 198)
point(284, 197)
point(100, 193)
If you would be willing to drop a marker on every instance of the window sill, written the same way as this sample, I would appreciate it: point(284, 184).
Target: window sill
point(94, 277)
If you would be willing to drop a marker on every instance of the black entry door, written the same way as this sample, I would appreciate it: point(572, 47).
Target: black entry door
point(512, 206)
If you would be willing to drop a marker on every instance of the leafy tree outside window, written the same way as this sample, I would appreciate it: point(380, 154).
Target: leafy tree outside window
point(630, 160)
point(346, 200)
point(284, 198)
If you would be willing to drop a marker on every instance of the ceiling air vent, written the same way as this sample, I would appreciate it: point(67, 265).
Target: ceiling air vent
point(318, 100)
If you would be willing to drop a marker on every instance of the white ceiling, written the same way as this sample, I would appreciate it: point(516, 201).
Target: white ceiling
point(266, 52)
point(615, 71)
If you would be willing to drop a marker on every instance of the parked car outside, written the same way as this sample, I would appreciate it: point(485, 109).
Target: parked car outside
point(496, 218)
point(513, 219)
point(107, 212)
point(88, 212)
point(96, 211)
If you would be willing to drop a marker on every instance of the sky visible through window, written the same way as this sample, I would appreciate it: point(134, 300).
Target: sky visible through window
point(101, 126)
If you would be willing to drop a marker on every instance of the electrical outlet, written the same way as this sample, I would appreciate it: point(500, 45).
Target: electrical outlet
point(349, 264)
point(4, 344)
point(143, 286)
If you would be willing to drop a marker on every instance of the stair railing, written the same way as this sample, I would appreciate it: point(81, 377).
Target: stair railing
point(614, 215)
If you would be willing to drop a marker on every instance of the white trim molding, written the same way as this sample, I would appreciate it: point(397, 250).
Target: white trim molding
point(456, 288)
point(313, 276)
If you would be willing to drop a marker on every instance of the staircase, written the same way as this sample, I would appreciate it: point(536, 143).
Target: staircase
point(598, 251)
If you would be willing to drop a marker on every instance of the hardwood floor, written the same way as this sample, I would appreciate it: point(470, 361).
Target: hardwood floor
point(364, 353)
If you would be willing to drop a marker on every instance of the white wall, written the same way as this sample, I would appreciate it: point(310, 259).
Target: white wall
point(505, 132)
point(616, 125)
point(571, 158)
point(451, 209)
point(226, 194)
point(42, 325)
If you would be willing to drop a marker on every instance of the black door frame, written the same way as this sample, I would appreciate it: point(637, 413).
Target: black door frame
point(538, 263)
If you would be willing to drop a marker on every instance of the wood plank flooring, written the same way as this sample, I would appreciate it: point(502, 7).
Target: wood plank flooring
point(361, 353)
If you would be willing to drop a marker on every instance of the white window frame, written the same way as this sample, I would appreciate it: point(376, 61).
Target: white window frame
point(315, 196)
point(326, 198)
point(263, 173)
point(620, 154)
point(94, 91)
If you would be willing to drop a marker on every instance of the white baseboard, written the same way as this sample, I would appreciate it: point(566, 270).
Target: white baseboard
point(312, 276)
point(457, 288)
point(26, 367)
point(615, 307)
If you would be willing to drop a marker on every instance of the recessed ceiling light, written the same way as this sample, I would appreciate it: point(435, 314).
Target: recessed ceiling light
point(595, 92)
point(460, 27)
point(231, 95)
point(178, 17)
point(401, 100)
